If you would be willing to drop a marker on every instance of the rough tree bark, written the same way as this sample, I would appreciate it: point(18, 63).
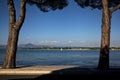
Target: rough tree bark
point(14, 28)
point(105, 38)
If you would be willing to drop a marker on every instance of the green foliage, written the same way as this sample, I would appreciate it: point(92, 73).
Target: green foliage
point(96, 3)
point(47, 5)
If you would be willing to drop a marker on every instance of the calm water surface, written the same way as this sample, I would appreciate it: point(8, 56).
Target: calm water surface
point(65, 57)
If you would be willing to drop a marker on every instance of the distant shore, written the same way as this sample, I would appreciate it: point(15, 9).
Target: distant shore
point(70, 48)
point(62, 48)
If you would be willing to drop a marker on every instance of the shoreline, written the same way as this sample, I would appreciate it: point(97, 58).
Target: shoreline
point(60, 49)
point(66, 48)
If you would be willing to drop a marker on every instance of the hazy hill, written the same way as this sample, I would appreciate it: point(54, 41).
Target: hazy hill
point(30, 45)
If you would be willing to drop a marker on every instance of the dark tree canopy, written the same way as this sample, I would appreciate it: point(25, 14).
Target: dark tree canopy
point(47, 5)
point(97, 3)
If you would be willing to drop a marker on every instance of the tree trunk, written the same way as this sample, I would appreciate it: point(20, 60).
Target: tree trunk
point(14, 29)
point(10, 57)
point(105, 38)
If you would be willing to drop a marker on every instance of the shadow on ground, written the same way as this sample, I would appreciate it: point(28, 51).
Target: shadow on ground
point(78, 73)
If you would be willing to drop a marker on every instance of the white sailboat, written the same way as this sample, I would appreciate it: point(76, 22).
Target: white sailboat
point(61, 49)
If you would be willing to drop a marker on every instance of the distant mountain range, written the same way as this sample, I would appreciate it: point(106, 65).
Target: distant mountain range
point(30, 45)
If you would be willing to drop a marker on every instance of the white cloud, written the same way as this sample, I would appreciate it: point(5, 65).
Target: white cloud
point(47, 42)
point(70, 41)
point(74, 43)
point(115, 43)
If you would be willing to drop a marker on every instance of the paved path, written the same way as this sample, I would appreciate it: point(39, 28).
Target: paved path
point(31, 72)
point(58, 73)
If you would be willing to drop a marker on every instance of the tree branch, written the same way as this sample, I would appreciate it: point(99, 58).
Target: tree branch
point(35, 2)
point(22, 14)
point(115, 8)
point(12, 12)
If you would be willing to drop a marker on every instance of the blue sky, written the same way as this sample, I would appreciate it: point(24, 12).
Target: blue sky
point(72, 26)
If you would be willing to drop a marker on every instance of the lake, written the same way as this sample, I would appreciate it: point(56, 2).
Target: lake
point(82, 58)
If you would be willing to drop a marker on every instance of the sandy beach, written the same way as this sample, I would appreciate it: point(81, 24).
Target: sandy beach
point(32, 70)
point(58, 73)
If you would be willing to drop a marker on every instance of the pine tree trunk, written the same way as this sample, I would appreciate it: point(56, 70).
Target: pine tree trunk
point(10, 57)
point(14, 29)
point(105, 38)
